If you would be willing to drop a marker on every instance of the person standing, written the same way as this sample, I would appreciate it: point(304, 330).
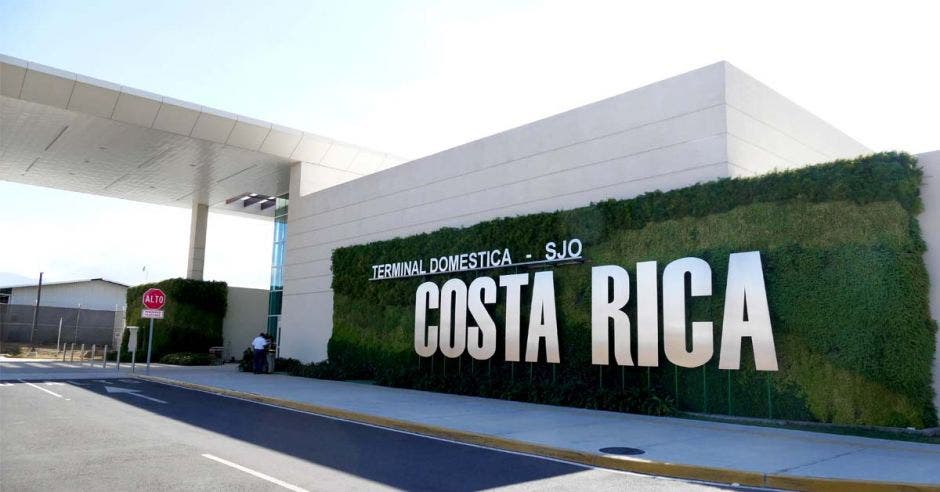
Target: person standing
point(259, 344)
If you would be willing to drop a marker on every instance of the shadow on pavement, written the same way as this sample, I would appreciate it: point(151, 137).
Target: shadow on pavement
point(389, 457)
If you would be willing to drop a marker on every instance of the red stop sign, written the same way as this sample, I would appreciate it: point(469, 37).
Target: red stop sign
point(154, 299)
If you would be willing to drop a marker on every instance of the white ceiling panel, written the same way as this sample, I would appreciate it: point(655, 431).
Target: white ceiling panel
point(136, 110)
point(176, 119)
point(93, 99)
point(311, 148)
point(48, 89)
point(247, 135)
point(67, 131)
point(57, 148)
point(213, 128)
point(11, 79)
point(281, 141)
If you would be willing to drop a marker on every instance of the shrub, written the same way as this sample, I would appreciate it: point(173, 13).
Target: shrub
point(192, 316)
point(188, 359)
point(846, 284)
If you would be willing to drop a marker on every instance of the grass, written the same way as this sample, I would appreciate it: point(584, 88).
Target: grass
point(893, 434)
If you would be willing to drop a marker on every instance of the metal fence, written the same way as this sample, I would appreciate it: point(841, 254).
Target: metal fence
point(78, 326)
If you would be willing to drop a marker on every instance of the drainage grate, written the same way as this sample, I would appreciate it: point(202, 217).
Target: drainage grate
point(621, 451)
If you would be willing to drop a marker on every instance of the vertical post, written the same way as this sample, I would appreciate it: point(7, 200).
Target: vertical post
point(134, 361)
point(78, 318)
point(770, 406)
point(63, 353)
point(104, 358)
point(704, 391)
point(675, 382)
point(72, 351)
point(117, 361)
point(91, 362)
point(32, 331)
point(149, 345)
point(58, 338)
point(81, 355)
point(729, 392)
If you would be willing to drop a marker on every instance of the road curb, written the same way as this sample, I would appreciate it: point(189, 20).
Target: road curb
point(629, 464)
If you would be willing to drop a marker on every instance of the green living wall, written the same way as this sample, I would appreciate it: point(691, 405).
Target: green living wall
point(843, 266)
point(192, 316)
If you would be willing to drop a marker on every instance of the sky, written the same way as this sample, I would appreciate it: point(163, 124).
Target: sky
point(413, 78)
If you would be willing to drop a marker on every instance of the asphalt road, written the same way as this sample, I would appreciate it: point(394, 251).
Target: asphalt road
point(124, 434)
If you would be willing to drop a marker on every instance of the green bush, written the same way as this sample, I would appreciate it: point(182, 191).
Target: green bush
point(846, 284)
point(192, 316)
point(188, 359)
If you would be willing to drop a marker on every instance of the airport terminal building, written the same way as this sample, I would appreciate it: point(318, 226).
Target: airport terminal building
point(579, 246)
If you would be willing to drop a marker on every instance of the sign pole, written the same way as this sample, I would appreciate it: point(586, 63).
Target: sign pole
point(149, 345)
point(153, 300)
point(132, 346)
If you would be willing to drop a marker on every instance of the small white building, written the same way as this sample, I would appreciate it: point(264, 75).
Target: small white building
point(96, 294)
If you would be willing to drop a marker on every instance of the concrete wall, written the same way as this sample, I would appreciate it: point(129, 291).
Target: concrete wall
point(245, 317)
point(93, 294)
point(767, 131)
point(930, 228)
point(667, 135)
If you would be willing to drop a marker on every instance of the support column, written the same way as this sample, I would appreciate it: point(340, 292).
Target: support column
point(197, 241)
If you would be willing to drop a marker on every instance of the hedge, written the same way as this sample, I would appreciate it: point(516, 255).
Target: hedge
point(844, 270)
point(192, 316)
point(188, 359)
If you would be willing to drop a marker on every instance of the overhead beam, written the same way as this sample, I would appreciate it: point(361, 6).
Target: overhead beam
point(252, 200)
point(236, 198)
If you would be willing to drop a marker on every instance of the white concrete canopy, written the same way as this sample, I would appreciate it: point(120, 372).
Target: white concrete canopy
point(63, 130)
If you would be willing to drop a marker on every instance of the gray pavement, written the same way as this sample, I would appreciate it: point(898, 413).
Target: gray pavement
point(120, 433)
point(669, 440)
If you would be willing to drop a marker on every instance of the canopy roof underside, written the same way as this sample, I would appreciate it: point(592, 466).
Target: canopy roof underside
point(66, 131)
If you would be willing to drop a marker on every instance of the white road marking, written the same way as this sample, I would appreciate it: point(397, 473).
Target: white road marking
point(6, 384)
point(114, 389)
point(255, 473)
point(40, 388)
point(37, 364)
point(54, 383)
point(131, 381)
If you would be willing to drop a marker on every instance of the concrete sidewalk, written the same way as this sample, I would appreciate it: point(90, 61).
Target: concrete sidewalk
point(671, 441)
